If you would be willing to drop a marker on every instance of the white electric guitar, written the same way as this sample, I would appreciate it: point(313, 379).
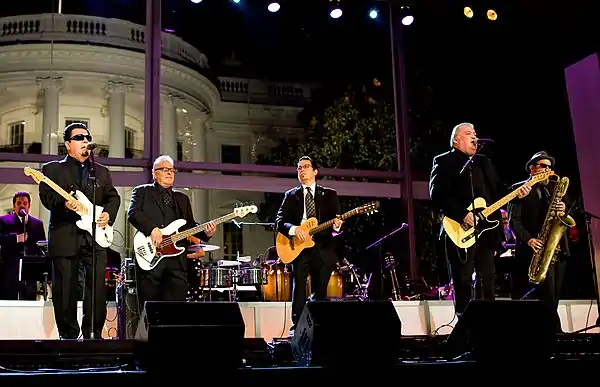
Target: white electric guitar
point(148, 256)
point(104, 236)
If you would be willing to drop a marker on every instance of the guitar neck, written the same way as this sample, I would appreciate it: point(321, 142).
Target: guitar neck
point(500, 203)
point(57, 188)
point(329, 223)
point(201, 227)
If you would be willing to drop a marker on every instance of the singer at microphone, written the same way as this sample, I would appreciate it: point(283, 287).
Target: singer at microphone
point(19, 234)
point(458, 177)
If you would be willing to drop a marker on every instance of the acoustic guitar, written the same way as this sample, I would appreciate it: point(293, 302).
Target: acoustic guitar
point(288, 248)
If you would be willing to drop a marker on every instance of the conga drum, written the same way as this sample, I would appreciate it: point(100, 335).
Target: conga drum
point(335, 287)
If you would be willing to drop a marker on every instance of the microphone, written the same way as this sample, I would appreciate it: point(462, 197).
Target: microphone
point(485, 140)
point(22, 212)
point(91, 146)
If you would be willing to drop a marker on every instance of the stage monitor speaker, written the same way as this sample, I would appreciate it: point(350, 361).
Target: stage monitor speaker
point(505, 330)
point(341, 334)
point(190, 334)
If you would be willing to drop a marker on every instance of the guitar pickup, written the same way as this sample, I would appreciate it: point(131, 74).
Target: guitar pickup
point(465, 226)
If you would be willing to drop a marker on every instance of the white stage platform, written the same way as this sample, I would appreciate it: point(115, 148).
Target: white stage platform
point(35, 319)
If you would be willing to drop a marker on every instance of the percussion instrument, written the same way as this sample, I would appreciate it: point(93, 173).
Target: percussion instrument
point(335, 287)
point(203, 247)
point(216, 277)
point(251, 277)
point(278, 285)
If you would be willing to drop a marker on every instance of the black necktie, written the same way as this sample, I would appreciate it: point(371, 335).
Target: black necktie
point(84, 173)
point(309, 203)
point(167, 199)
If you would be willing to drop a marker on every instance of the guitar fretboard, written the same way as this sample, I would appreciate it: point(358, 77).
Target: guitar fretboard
point(500, 203)
point(329, 223)
point(201, 227)
point(58, 190)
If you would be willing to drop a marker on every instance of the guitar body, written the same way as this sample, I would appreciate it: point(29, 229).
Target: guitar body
point(464, 236)
point(288, 249)
point(104, 236)
point(147, 256)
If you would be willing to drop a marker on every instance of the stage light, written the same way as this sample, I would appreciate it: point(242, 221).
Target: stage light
point(335, 13)
point(468, 12)
point(196, 1)
point(274, 7)
point(236, 1)
point(407, 16)
point(408, 20)
point(492, 15)
point(373, 14)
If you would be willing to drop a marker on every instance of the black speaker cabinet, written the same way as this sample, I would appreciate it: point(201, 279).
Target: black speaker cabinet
point(190, 334)
point(505, 330)
point(341, 334)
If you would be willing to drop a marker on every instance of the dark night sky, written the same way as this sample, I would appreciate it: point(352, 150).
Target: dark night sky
point(504, 76)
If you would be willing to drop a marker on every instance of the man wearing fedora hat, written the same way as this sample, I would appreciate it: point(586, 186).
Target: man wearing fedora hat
point(526, 217)
point(450, 190)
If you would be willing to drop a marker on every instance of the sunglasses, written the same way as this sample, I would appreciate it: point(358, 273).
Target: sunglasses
point(542, 165)
point(81, 137)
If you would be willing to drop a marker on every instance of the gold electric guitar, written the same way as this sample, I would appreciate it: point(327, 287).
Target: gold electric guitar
point(288, 249)
point(463, 235)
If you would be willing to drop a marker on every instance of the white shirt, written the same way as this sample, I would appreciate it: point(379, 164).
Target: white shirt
point(312, 187)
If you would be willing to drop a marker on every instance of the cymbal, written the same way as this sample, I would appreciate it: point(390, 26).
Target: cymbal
point(203, 247)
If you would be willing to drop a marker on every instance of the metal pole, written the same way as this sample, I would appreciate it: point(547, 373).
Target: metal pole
point(152, 86)
point(59, 7)
point(401, 121)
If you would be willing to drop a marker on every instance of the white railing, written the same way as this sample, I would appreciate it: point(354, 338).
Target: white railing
point(93, 30)
point(259, 91)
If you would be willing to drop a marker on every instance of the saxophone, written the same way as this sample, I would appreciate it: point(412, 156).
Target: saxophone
point(555, 225)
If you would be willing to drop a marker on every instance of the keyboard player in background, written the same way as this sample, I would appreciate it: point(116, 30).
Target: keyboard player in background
point(19, 235)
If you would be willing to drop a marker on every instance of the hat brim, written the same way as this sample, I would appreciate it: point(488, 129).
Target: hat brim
point(534, 160)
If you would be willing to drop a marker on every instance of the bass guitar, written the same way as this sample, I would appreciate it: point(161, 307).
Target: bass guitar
point(148, 256)
point(288, 249)
point(104, 236)
point(464, 235)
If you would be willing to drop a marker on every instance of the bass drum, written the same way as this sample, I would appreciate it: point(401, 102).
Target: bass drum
point(335, 287)
point(278, 286)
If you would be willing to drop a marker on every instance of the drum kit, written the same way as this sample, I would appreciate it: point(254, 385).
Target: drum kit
point(262, 279)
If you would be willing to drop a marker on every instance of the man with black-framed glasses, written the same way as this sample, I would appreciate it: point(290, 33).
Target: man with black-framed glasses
point(68, 245)
point(526, 218)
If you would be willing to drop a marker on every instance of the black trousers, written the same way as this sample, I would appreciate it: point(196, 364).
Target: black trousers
point(10, 286)
point(65, 292)
point(548, 290)
point(310, 261)
point(166, 282)
point(462, 262)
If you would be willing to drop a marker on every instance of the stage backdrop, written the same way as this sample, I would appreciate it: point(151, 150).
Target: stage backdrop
point(583, 87)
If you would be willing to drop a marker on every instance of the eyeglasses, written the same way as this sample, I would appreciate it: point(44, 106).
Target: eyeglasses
point(542, 165)
point(81, 137)
point(166, 170)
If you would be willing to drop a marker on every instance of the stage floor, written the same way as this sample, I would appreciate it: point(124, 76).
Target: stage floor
point(269, 320)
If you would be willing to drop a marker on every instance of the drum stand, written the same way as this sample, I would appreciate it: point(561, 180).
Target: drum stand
point(361, 291)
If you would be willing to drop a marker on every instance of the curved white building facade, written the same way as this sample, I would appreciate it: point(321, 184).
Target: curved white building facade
point(55, 69)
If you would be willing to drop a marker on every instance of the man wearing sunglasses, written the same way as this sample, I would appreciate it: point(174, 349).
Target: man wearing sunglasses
point(526, 217)
point(68, 245)
point(152, 207)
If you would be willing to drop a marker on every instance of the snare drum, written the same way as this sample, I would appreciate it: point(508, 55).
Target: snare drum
point(278, 286)
point(251, 277)
point(216, 278)
point(335, 287)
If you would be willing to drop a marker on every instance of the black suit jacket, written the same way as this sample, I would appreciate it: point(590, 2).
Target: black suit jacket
point(146, 210)
point(62, 228)
point(327, 206)
point(451, 192)
point(526, 216)
point(11, 226)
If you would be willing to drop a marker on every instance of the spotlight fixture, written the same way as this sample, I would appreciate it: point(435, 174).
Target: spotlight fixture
point(492, 15)
point(334, 9)
point(373, 14)
point(468, 12)
point(406, 15)
point(196, 1)
point(274, 6)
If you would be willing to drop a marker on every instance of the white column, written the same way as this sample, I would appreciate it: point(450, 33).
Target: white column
point(168, 142)
point(51, 133)
point(116, 93)
point(200, 196)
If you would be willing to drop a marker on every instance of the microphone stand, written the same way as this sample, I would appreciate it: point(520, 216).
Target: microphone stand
point(588, 228)
point(469, 167)
point(20, 286)
point(92, 178)
point(378, 243)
